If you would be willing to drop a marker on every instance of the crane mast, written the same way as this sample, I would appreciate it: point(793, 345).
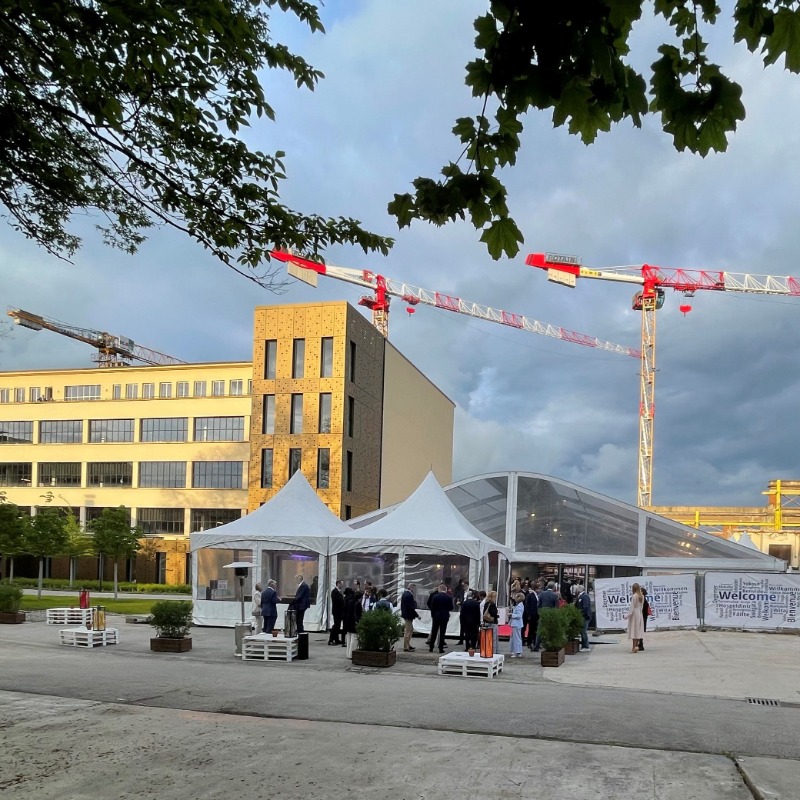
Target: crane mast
point(384, 288)
point(566, 269)
point(112, 350)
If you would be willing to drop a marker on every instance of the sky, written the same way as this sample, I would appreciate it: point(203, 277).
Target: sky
point(727, 378)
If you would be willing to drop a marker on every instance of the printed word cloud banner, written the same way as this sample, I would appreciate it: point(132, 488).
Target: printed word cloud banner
point(750, 600)
point(672, 599)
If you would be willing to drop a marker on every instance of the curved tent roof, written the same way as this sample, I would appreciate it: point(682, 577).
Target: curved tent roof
point(295, 517)
point(426, 520)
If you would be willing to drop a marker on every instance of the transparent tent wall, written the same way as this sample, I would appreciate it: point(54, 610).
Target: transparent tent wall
point(214, 582)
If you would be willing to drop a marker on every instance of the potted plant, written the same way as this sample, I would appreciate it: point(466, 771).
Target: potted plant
point(574, 623)
point(553, 633)
point(172, 620)
point(10, 599)
point(377, 631)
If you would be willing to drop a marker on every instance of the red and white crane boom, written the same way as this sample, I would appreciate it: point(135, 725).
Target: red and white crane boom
point(112, 350)
point(566, 269)
point(385, 288)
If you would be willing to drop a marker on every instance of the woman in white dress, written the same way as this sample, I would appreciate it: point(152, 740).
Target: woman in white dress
point(634, 617)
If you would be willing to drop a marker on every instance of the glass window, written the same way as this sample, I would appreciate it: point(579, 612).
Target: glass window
point(270, 359)
point(352, 366)
point(117, 474)
point(165, 390)
point(19, 395)
point(182, 388)
point(110, 430)
point(16, 432)
point(665, 539)
point(249, 387)
point(88, 392)
point(235, 388)
point(324, 468)
point(298, 358)
point(266, 468)
point(326, 358)
point(148, 391)
point(381, 569)
point(325, 412)
point(217, 475)
point(61, 431)
point(348, 480)
point(199, 388)
point(214, 582)
point(295, 460)
point(131, 391)
point(34, 394)
point(351, 416)
point(217, 388)
point(296, 420)
point(116, 391)
point(269, 414)
point(154, 521)
point(165, 429)
point(162, 474)
point(18, 474)
point(60, 474)
point(283, 566)
point(219, 429)
point(204, 518)
point(483, 502)
point(4, 393)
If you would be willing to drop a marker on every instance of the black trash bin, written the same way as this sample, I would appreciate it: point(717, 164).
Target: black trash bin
point(302, 646)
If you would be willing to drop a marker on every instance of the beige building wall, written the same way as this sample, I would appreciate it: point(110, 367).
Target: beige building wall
point(417, 430)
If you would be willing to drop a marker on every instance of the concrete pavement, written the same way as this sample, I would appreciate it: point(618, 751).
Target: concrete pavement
point(671, 722)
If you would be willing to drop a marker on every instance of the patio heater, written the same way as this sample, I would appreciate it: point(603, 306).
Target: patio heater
point(241, 629)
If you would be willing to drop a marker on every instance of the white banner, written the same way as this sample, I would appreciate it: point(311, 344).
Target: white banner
point(672, 599)
point(752, 600)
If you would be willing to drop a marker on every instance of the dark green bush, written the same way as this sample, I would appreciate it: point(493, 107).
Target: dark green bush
point(574, 621)
point(62, 584)
point(171, 618)
point(378, 630)
point(552, 628)
point(10, 598)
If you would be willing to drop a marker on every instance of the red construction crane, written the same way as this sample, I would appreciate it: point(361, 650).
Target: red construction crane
point(112, 351)
point(566, 270)
point(384, 288)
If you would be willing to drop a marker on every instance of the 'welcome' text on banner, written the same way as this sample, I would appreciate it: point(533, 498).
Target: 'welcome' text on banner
point(672, 598)
point(753, 601)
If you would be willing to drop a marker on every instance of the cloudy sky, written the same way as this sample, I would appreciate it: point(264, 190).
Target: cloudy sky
point(727, 377)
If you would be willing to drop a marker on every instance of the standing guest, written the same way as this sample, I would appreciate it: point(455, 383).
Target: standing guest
point(347, 608)
point(470, 619)
point(269, 607)
point(645, 615)
point(531, 617)
point(491, 616)
point(461, 593)
point(369, 599)
point(516, 586)
point(441, 606)
point(516, 625)
point(408, 611)
point(547, 599)
point(353, 609)
point(258, 620)
point(584, 604)
point(384, 602)
point(634, 617)
point(302, 600)
point(482, 599)
point(337, 610)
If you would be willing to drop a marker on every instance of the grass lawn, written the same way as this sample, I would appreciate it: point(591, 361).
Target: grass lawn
point(120, 606)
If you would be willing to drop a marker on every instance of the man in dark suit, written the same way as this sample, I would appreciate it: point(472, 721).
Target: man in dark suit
point(470, 619)
point(302, 600)
point(441, 605)
point(530, 616)
point(337, 610)
point(547, 599)
point(408, 611)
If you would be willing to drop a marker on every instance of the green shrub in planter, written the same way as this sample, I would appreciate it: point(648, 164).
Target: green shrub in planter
point(552, 628)
point(378, 630)
point(10, 598)
point(172, 619)
point(574, 621)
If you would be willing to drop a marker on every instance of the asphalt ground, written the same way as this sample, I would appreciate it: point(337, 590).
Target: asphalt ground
point(696, 715)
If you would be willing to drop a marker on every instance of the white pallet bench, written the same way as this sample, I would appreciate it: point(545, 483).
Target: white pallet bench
point(83, 637)
point(265, 647)
point(68, 616)
point(471, 666)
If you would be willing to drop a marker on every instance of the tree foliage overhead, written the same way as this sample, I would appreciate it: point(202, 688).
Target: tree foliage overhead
point(572, 57)
point(129, 110)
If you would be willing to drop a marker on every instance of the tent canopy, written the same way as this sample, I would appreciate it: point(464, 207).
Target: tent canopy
point(426, 520)
point(295, 516)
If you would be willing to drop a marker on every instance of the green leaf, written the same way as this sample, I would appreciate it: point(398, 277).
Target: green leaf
point(785, 40)
point(403, 208)
point(502, 236)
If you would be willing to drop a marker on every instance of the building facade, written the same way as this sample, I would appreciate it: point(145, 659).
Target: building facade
point(189, 447)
